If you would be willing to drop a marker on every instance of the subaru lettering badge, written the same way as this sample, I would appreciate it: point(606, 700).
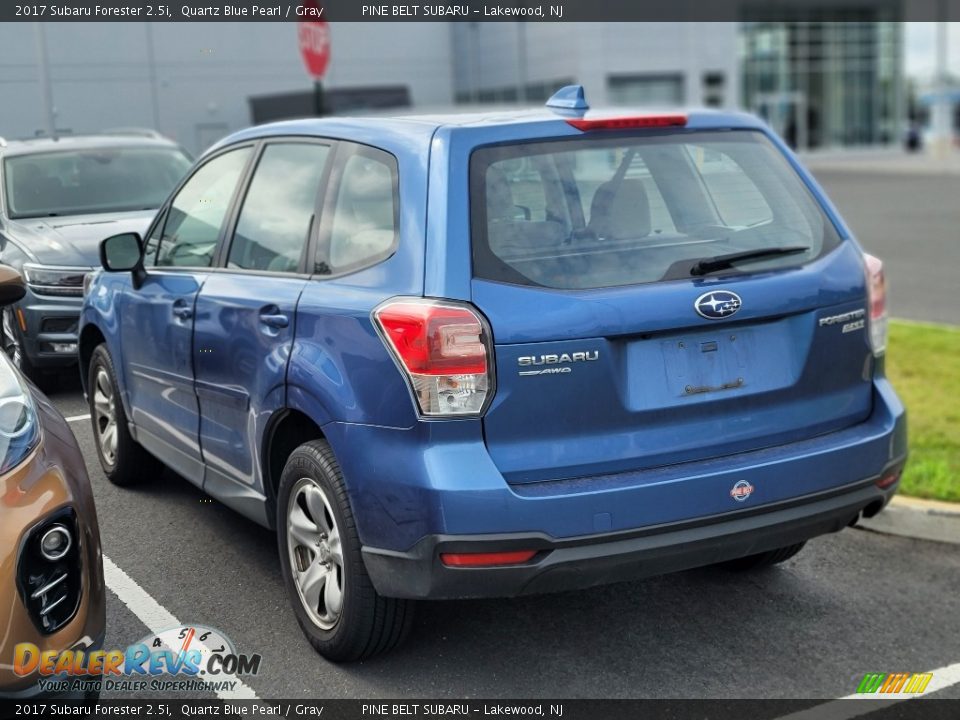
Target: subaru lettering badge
point(717, 304)
point(741, 491)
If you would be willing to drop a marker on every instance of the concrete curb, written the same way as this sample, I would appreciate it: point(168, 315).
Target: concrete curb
point(885, 162)
point(920, 519)
point(884, 168)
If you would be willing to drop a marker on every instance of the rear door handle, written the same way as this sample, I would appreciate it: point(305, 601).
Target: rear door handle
point(182, 310)
point(275, 320)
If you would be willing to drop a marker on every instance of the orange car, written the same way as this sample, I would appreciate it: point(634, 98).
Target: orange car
point(51, 572)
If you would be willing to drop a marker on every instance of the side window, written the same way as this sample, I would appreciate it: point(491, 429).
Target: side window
point(196, 214)
point(364, 228)
point(278, 211)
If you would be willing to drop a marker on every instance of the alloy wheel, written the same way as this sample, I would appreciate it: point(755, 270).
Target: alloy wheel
point(316, 556)
point(105, 415)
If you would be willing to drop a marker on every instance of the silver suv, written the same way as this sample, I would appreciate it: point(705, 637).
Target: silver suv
point(59, 197)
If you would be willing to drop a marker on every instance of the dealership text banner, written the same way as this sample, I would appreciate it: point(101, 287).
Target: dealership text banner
point(370, 709)
point(507, 11)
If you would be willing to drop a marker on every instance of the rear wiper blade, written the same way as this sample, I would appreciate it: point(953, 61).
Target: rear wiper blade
point(721, 262)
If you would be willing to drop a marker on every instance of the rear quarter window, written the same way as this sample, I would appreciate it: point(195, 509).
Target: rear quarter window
point(364, 212)
point(598, 212)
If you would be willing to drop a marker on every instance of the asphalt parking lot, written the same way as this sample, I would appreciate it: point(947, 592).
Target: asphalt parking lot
point(851, 603)
point(909, 220)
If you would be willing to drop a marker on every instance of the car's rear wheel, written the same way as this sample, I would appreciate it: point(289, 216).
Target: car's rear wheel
point(123, 461)
point(336, 605)
point(764, 559)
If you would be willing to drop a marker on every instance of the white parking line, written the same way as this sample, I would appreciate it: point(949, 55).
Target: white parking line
point(78, 418)
point(844, 709)
point(158, 618)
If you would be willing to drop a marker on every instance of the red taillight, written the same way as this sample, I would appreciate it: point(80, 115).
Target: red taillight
point(514, 557)
point(877, 300)
point(435, 339)
point(443, 348)
point(626, 123)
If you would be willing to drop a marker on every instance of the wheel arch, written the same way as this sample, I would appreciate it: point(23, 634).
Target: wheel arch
point(287, 429)
point(90, 337)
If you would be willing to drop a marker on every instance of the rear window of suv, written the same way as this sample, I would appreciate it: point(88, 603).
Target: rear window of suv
point(600, 212)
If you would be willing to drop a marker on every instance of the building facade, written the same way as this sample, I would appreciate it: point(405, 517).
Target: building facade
point(666, 64)
point(817, 83)
point(826, 84)
point(194, 81)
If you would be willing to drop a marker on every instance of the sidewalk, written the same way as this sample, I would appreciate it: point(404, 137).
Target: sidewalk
point(881, 160)
point(920, 519)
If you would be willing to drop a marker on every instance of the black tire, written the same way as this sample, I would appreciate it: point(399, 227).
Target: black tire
point(13, 347)
point(764, 559)
point(367, 623)
point(128, 463)
point(44, 380)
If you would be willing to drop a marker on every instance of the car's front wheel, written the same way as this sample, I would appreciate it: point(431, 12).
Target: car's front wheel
point(336, 605)
point(124, 462)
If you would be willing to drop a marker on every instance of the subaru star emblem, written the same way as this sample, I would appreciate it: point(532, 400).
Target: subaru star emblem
point(741, 491)
point(717, 304)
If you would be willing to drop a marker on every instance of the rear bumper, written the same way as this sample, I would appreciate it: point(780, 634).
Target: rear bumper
point(434, 487)
point(583, 562)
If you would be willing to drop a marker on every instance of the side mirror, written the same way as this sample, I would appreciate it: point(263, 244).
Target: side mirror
point(11, 286)
point(122, 253)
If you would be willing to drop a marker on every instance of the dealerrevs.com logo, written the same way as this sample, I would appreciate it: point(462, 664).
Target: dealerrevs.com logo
point(187, 658)
point(890, 683)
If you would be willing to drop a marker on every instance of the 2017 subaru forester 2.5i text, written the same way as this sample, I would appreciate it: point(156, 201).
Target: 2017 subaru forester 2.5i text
point(467, 356)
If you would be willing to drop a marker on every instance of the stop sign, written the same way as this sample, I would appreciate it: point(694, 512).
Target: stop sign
point(314, 39)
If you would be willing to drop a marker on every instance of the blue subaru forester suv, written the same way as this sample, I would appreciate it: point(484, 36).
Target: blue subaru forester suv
point(491, 355)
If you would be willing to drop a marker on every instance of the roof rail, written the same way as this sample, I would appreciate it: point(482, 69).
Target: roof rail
point(570, 97)
point(135, 131)
point(3, 142)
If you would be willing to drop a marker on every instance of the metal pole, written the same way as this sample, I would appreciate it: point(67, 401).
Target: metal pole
point(521, 62)
point(474, 50)
point(152, 72)
point(46, 89)
point(319, 106)
point(942, 129)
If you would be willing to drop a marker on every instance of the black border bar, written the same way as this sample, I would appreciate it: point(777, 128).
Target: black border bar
point(482, 10)
point(458, 709)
